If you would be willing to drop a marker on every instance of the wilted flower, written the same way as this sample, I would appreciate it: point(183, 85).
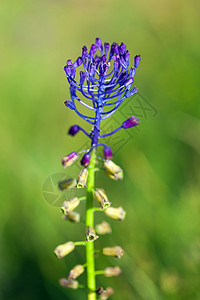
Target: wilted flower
point(69, 159)
point(67, 184)
point(113, 251)
point(69, 206)
point(113, 170)
point(71, 284)
point(102, 198)
point(103, 228)
point(105, 294)
point(115, 271)
point(90, 234)
point(75, 272)
point(73, 216)
point(64, 249)
point(82, 178)
point(115, 213)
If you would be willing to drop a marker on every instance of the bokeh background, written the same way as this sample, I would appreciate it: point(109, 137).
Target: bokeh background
point(160, 191)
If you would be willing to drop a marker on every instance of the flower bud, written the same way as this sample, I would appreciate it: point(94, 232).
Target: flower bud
point(92, 69)
point(103, 228)
point(103, 58)
point(67, 184)
point(106, 47)
point(115, 213)
point(129, 82)
point(113, 251)
point(93, 49)
point(137, 59)
point(101, 197)
point(82, 178)
point(64, 249)
point(107, 152)
point(73, 130)
point(109, 272)
point(105, 294)
point(98, 43)
point(85, 159)
point(78, 62)
point(126, 55)
point(132, 121)
point(82, 77)
point(84, 52)
point(70, 205)
point(71, 284)
point(131, 92)
point(90, 234)
point(122, 48)
point(112, 170)
point(75, 272)
point(72, 216)
point(69, 159)
point(70, 104)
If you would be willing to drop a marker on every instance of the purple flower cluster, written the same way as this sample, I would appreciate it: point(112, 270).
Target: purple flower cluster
point(103, 77)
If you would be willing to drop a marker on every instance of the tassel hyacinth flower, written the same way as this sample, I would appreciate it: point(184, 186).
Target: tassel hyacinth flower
point(100, 80)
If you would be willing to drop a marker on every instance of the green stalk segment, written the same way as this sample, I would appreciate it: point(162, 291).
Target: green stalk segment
point(91, 282)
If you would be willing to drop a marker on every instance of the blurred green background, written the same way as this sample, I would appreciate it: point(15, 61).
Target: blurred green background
point(160, 191)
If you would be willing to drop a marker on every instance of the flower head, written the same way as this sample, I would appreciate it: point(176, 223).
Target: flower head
point(105, 75)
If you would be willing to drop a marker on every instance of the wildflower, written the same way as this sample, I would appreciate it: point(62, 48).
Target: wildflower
point(82, 178)
point(71, 284)
point(115, 213)
point(75, 272)
point(103, 228)
point(67, 184)
point(105, 294)
point(113, 251)
point(101, 197)
point(90, 234)
point(73, 130)
point(64, 249)
point(69, 206)
point(113, 170)
point(69, 159)
point(132, 121)
point(85, 159)
point(109, 272)
point(107, 152)
point(105, 81)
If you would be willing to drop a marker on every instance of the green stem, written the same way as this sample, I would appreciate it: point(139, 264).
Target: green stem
point(81, 243)
point(89, 221)
point(100, 272)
